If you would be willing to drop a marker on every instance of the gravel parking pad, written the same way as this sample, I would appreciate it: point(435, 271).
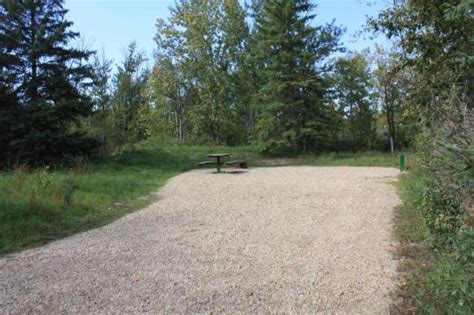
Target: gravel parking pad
point(281, 239)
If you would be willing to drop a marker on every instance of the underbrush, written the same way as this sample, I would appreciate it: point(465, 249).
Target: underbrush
point(435, 279)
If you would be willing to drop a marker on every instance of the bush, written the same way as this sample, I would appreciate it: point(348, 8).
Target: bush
point(447, 154)
point(445, 282)
point(436, 280)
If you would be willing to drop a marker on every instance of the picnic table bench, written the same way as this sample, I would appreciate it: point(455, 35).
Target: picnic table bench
point(205, 163)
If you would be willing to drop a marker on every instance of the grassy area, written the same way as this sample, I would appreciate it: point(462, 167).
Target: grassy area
point(434, 281)
point(42, 205)
point(355, 159)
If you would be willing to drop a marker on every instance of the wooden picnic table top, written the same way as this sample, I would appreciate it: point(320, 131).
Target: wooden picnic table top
point(218, 155)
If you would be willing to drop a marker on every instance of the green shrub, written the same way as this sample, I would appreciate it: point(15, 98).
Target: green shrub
point(440, 277)
point(447, 154)
point(437, 279)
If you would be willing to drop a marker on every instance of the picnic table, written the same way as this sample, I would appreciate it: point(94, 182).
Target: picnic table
point(219, 162)
point(218, 157)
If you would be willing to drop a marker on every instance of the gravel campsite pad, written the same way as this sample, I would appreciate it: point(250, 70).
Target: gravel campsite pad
point(281, 239)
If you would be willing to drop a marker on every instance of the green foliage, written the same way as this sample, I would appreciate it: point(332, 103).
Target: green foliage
point(434, 281)
point(449, 189)
point(128, 98)
point(439, 50)
point(351, 82)
point(396, 95)
point(293, 116)
point(101, 97)
point(435, 38)
point(198, 83)
point(168, 89)
point(450, 281)
point(216, 79)
point(41, 81)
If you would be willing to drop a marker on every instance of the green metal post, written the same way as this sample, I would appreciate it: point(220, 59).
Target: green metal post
point(402, 162)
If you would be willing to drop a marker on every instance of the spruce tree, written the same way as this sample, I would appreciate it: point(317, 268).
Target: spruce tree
point(292, 112)
point(42, 78)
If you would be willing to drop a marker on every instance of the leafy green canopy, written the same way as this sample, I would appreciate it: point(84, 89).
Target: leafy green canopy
point(129, 97)
point(352, 90)
point(41, 83)
point(198, 82)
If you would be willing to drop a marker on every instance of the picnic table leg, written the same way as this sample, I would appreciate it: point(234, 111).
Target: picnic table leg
point(218, 164)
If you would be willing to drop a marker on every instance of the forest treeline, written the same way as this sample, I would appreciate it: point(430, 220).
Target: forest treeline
point(265, 74)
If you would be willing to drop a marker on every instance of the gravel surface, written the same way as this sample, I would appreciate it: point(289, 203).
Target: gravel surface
point(285, 239)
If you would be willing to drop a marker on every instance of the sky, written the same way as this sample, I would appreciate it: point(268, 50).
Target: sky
point(110, 25)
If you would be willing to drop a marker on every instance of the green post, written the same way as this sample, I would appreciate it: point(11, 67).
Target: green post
point(402, 162)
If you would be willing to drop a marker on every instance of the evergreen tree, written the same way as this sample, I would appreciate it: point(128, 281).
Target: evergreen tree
point(41, 82)
point(251, 71)
point(292, 112)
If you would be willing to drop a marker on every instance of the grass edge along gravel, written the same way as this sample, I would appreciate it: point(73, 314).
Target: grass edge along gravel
point(432, 280)
point(41, 205)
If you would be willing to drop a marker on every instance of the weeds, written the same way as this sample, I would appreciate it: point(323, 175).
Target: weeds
point(435, 280)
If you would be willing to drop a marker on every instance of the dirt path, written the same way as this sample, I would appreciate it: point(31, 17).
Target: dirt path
point(286, 239)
